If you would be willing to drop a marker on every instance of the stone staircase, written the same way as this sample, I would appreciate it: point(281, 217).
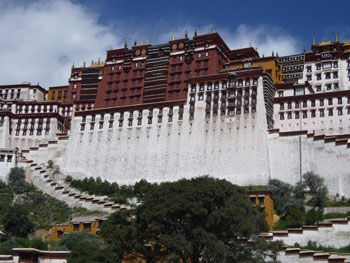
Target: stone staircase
point(334, 233)
point(293, 255)
point(51, 181)
point(337, 140)
point(53, 150)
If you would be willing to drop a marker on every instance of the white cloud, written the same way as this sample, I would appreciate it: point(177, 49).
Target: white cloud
point(266, 38)
point(40, 40)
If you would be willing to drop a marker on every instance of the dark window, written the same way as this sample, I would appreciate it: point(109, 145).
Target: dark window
point(330, 112)
point(87, 227)
point(76, 227)
point(321, 113)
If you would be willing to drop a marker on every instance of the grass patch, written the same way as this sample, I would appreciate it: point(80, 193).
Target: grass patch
point(335, 215)
point(313, 246)
point(281, 225)
point(343, 203)
point(254, 187)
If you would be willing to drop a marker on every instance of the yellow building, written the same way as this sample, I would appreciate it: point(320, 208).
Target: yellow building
point(249, 57)
point(58, 93)
point(263, 199)
point(76, 225)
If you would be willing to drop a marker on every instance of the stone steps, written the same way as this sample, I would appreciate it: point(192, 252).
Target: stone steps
point(41, 178)
point(292, 255)
point(334, 233)
point(338, 140)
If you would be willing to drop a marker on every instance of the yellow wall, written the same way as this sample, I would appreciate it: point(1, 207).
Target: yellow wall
point(270, 65)
point(256, 197)
point(56, 94)
point(69, 228)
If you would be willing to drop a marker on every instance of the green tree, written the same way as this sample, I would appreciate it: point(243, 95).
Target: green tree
point(284, 197)
point(120, 233)
point(87, 252)
point(70, 240)
point(312, 217)
point(16, 222)
point(85, 247)
point(7, 246)
point(17, 180)
point(201, 220)
point(316, 188)
point(295, 218)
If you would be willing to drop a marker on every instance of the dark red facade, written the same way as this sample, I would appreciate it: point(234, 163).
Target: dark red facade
point(147, 74)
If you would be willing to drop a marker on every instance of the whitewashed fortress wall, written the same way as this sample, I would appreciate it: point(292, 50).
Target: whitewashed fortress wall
point(328, 157)
point(231, 147)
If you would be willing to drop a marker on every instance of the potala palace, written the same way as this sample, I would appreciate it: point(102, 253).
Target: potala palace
point(186, 108)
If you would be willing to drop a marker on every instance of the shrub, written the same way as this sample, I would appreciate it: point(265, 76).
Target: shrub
point(17, 181)
point(312, 217)
point(16, 222)
point(295, 218)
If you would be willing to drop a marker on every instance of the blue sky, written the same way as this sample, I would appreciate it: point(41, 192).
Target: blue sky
point(301, 19)
point(42, 38)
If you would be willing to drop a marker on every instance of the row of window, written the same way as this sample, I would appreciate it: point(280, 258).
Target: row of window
point(36, 108)
point(60, 94)
point(119, 67)
point(312, 103)
point(292, 76)
point(327, 75)
point(12, 95)
point(328, 86)
point(32, 132)
point(8, 159)
point(325, 65)
point(312, 113)
point(210, 86)
point(298, 67)
point(291, 58)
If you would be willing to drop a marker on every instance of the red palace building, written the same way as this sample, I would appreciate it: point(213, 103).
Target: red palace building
point(147, 74)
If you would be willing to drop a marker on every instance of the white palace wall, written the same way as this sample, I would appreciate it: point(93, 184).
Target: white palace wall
point(326, 159)
point(230, 147)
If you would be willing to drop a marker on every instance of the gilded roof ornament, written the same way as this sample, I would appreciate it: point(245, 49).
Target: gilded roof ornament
point(172, 37)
